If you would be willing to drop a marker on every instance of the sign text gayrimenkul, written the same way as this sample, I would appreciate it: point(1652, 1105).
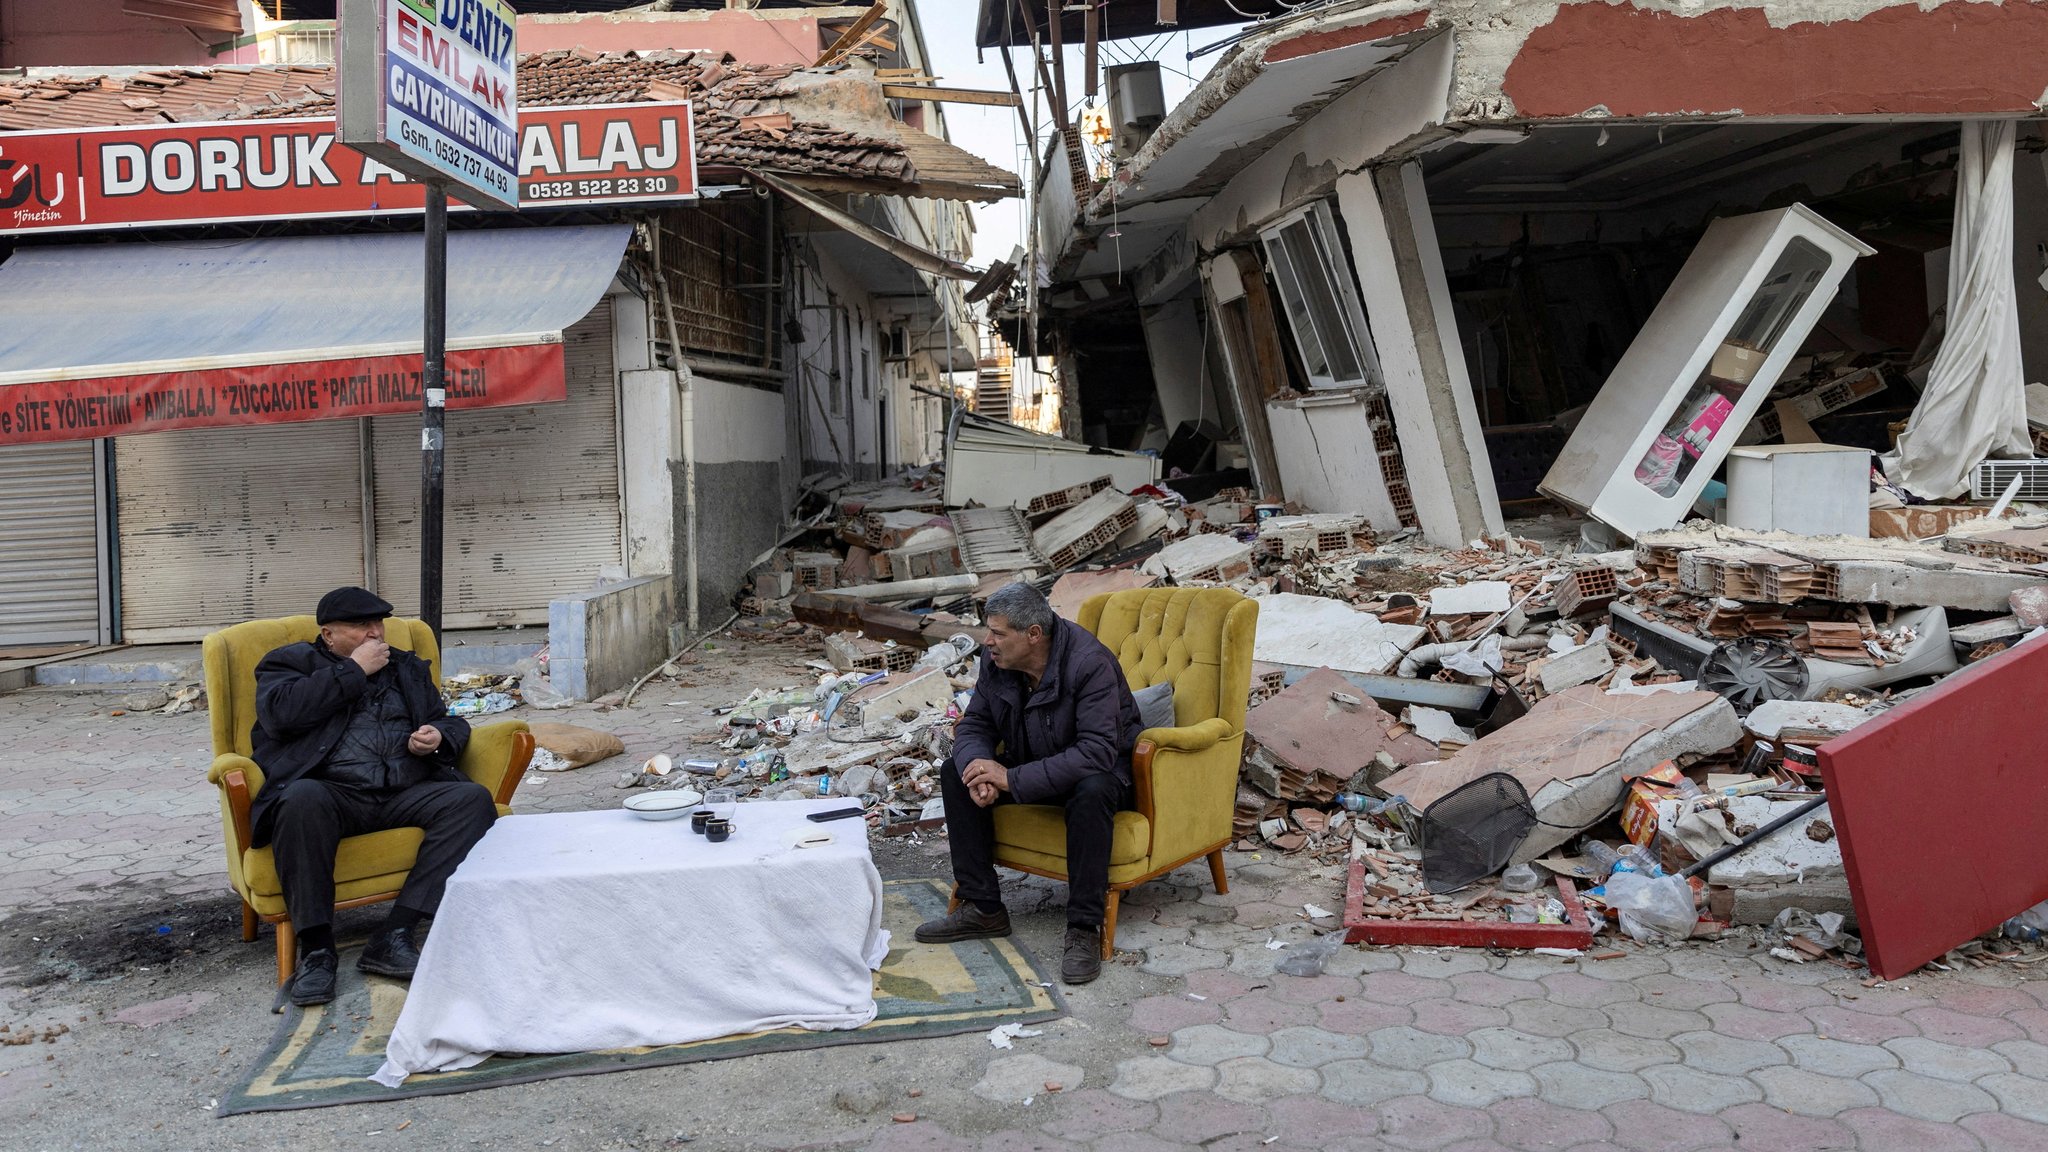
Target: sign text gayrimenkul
point(429, 87)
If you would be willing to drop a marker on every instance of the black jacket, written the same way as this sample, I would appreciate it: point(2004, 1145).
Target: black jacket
point(1080, 720)
point(304, 696)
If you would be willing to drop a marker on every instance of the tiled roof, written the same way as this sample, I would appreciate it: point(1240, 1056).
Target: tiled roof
point(724, 91)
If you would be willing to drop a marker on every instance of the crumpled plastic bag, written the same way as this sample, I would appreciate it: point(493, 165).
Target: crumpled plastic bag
point(1308, 959)
point(1480, 661)
point(534, 686)
point(1652, 908)
point(1824, 929)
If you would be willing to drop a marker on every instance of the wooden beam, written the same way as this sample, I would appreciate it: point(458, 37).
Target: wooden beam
point(1168, 12)
point(1059, 114)
point(851, 38)
point(1090, 64)
point(950, 95)
point(1059, 59)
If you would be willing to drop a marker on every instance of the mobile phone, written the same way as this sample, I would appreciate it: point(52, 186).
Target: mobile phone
point(835, 814)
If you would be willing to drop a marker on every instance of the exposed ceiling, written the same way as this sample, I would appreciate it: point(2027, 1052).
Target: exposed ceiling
point(1205, 155)
point(1594, 167)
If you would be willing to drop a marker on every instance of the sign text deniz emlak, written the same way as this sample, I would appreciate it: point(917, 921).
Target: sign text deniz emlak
point(430, 87)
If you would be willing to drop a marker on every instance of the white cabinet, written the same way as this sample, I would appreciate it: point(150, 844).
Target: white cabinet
point(1811, 489)
point(1702, 365)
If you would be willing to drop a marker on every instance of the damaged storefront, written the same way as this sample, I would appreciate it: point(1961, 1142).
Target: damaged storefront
point(195, 457)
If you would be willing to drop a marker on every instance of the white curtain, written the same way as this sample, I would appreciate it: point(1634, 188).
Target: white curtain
point(1974, 406)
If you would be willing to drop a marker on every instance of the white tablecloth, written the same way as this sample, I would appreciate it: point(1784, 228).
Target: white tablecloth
point(593, 930)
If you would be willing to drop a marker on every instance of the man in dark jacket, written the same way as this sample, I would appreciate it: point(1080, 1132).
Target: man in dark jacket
point(353, 738)
point(1051, 722)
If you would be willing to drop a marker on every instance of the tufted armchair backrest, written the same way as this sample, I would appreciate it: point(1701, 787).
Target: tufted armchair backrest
point(231, 656)
point(1199, 638)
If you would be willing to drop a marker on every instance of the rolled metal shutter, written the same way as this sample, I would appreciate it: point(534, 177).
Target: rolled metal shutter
point(49, 544)
point(531, 506)
point(221, 525)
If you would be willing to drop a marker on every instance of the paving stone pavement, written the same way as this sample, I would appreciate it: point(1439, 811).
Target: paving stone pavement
point(1708, 1046)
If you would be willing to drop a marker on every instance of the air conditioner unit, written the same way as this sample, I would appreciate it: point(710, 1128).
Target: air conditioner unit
point(1137, 104)
point(1993, 477)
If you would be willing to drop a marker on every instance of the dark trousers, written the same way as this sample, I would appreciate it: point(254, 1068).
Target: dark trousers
point(311, 817)
point(1092, 805)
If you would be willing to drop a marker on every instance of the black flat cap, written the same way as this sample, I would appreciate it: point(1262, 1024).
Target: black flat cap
point(350, 605)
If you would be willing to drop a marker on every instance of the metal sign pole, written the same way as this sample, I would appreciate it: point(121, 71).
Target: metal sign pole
point(433, 407)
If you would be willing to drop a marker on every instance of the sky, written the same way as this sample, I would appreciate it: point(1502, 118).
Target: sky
point(994, 133)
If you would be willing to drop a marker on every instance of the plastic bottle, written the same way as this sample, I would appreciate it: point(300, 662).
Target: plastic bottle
point(1637, 858)
point(1521, 878)
point(2029, 925)
point(1600, 857)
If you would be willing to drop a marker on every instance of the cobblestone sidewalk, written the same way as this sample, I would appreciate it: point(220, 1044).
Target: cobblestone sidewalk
point(1192, 1041)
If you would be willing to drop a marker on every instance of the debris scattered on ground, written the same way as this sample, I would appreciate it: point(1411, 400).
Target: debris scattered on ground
point(1665, 698)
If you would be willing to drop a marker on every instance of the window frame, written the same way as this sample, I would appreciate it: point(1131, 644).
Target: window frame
point(1313, 323)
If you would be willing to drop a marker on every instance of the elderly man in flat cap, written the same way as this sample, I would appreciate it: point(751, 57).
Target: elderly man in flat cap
point(353, 738)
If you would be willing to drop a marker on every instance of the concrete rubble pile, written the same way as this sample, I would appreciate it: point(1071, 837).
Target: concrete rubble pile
point(1659, 702)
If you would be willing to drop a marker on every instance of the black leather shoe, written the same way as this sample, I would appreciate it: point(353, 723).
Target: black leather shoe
point(392, 953)
point(1082, 961)
point(968, 922)
point(313, 981)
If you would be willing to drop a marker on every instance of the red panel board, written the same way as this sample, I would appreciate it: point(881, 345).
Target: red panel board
point(281, 393)
point(1942, 810)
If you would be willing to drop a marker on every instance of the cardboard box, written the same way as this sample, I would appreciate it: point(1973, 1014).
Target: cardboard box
point(1921, 521)
point(1639, 810)
point(1736, 363)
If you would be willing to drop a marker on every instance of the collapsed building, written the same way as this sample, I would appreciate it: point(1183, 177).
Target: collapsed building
point(1396, 254)
point(1528, 365)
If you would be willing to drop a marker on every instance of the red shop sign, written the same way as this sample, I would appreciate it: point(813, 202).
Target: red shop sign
point(219, 171)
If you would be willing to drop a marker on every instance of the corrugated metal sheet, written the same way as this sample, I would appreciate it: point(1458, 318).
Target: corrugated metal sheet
point(49, 544)
point(220, 525)
point(531, 509)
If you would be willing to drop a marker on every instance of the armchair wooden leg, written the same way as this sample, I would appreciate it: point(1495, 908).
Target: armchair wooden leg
point(248, 923)
point(287, 950)
point(1109, 926)
point(1216, 872)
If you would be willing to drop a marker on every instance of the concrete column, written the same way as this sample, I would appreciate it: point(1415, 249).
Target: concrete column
point(2030, 255)
point(1173, 338)
point(1407, 301)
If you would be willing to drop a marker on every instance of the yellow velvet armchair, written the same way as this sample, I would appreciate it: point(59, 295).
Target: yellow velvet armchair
point(367, 869)
point(1186, 775)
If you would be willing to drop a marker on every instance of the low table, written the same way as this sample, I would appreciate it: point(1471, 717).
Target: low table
point(588, 931)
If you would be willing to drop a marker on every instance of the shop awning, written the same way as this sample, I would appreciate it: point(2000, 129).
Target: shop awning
point(114, 339)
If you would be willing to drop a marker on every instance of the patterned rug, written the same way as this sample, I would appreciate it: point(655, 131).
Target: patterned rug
point(324, 1056)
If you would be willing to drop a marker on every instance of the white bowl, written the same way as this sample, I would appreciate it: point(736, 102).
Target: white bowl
point(662, 805)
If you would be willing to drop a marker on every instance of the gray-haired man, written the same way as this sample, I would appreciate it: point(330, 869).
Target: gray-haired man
point(1051, 722)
